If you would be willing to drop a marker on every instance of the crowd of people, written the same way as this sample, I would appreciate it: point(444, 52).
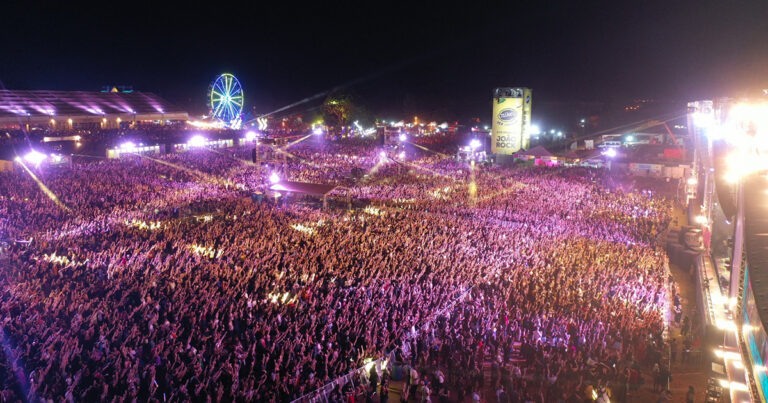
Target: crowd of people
point(160, 278)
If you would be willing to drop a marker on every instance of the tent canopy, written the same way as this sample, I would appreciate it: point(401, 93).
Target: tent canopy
point(537, 151)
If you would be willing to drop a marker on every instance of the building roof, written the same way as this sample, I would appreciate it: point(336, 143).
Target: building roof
point(583, 154)
point(314, 189)
point(33, 106)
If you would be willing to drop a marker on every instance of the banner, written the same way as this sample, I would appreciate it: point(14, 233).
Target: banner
point(526, 120)
point(6, 166)
point(507, 129)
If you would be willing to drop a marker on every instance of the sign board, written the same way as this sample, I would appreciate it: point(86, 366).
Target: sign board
point(510, 129)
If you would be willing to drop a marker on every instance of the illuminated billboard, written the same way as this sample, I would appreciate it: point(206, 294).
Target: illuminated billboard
point(527, 102)
point(510, 130)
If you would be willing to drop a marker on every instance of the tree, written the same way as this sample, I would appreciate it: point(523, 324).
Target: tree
point(337, 108)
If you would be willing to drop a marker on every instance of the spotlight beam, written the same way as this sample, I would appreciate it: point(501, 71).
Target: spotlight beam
point(427, 149)
point(296, 142)
point(433, 172)
point(194, 172)
point(44, 188)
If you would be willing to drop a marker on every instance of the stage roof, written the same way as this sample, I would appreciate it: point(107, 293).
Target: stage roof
point(81, 106)
point(314, 189)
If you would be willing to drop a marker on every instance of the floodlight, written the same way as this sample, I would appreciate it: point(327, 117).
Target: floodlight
point(196, 141)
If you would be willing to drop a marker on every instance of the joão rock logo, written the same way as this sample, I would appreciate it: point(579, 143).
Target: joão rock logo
point(507, 115)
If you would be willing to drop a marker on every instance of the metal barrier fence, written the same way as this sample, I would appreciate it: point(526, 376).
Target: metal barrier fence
point(321, 394)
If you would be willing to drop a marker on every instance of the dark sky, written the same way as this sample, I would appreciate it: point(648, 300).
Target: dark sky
point(436, 59)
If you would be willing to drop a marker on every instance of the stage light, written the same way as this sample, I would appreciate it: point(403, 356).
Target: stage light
point(552, 131)
point(128, 146)
point(701, 219)
point(611, 152)
point(403, 137)
point(739, 386)
point(693, 181)
point(703, 120)
point(630, 138)
point(535, 130)
point(34, 158)
point(196, 141)
point(274, 178)
point(725, 324)
point(250, 135)
point(474, 144)
point(317, 130)
point(369, 363)
point(402, 155)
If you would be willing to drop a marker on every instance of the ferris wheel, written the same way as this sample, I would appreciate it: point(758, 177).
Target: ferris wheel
point(226, 98)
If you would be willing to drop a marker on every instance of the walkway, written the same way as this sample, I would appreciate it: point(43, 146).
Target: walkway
point(695, 372)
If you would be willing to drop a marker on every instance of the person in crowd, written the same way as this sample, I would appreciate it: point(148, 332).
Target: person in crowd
point(161, 279)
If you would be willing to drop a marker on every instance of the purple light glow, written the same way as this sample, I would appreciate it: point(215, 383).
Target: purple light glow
point(14, 109)
point(44, 109)
point(250, 135)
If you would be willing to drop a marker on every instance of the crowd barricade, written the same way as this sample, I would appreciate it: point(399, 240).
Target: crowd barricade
point(322, 394)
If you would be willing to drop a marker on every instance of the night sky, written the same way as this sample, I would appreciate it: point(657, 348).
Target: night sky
point(436, 60)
